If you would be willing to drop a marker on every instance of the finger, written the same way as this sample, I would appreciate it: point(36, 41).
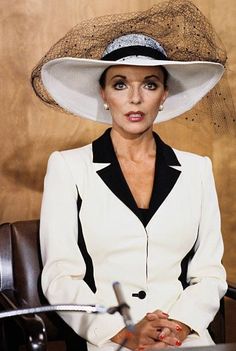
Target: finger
point(146, 340)
point(160, 323)
point(164, 333)
point(153, 319)
point(171, 340)
point(173, 326)
point(151, 316)
point(152, 335)
point(147, 330)
point(161, 314)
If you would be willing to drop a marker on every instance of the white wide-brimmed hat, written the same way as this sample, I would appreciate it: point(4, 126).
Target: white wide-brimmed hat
point(74, 82)
point(68, 76)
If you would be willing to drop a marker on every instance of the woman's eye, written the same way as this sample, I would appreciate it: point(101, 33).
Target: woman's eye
point(151, 85)
point(119, 85)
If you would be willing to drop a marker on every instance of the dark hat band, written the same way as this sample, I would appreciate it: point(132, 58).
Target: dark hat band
point(137, 50)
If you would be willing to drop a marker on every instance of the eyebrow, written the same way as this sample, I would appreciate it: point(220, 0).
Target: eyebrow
point(152, 76)
point(118, 76)
point(145, 78)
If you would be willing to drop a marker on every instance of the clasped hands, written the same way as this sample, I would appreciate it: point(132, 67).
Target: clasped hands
point(154, 331)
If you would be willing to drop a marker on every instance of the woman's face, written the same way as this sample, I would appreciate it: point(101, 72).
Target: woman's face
point(134, 94)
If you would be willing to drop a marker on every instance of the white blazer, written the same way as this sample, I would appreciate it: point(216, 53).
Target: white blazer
point(92, 235)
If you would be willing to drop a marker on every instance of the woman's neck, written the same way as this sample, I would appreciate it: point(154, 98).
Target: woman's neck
point(135, 148)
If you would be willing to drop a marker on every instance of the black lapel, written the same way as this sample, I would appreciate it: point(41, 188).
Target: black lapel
point(103, 152)
point(165, 176)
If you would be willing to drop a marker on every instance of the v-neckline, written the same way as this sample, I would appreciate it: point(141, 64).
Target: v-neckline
point(165, 176)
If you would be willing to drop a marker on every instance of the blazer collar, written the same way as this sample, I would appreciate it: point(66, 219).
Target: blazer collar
point(103, 150)
point(112, 176)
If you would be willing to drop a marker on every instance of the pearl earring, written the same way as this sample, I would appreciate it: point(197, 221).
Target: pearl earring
point(106, 107)
point(161, 107)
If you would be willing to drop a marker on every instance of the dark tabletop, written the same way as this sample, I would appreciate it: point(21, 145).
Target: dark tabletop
point(220, 347)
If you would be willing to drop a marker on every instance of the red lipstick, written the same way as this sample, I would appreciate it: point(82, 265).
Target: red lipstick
point(135, 116)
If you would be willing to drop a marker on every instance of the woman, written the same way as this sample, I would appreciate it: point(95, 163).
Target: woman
point(128, 207)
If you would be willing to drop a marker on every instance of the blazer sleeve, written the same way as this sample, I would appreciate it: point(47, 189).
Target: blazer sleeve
point(64, 267)
point(199, 302)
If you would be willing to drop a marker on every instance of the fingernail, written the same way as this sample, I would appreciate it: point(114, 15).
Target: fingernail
point(161, 336)
point(178, 343)
point(178, 328)
point(165, 314)
point(128, 334)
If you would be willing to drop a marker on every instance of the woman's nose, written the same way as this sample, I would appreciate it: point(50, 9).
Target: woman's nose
point(135, 96)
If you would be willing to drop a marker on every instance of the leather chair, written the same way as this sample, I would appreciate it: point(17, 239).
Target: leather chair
point(20, 271)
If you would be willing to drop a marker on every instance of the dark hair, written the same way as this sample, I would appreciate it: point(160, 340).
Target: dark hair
point(102, 79)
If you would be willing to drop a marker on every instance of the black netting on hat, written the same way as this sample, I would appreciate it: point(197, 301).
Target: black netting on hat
point(182, 30)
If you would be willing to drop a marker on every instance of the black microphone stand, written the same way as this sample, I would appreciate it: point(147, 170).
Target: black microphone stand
point(39, 337)
point(54, 308)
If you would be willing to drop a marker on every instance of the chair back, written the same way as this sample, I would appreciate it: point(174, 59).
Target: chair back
point(20, 274)
point(27, 264)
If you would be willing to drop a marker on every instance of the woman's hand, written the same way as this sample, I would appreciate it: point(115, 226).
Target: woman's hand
point(174, 337)
point(181, 334)
point(148, 331)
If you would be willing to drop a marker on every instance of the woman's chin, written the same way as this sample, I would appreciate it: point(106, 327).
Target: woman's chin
point(133, 129)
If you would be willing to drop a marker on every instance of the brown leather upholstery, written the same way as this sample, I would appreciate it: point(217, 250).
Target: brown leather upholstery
point(27, 267)
point(6, 258)
point(20, 277)
point(27, 263)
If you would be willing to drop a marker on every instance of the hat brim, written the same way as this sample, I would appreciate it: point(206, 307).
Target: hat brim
point(74, 84)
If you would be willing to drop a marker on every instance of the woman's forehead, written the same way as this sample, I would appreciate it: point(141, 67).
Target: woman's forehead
point(128, 70)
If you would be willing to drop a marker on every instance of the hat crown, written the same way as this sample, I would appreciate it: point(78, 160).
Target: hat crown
point(133, 39)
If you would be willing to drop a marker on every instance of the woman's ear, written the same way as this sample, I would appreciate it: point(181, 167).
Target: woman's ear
point(102, 93)
point(103, 96)
point(165, 95)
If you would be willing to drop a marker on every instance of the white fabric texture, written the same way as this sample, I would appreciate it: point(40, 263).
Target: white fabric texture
point(118, 242)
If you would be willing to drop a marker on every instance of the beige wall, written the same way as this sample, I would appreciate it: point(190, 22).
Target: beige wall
point(30, 131)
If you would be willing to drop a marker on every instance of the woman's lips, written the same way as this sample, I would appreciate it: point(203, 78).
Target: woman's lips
point(135, 116)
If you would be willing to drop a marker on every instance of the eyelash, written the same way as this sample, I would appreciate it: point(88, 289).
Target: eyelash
point(120, 82)
point(147, 84)
point(153, 84)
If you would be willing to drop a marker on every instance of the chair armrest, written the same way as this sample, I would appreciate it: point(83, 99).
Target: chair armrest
point(231, 292)
point(32, 325)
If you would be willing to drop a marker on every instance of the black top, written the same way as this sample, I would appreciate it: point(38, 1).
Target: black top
point(144, 215)
point(164, 179)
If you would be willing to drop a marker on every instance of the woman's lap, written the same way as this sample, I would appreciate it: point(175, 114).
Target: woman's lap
point(192, 340)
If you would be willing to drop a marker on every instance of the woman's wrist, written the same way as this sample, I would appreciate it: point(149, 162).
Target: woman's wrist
point(123, 335)
point(119, 336)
